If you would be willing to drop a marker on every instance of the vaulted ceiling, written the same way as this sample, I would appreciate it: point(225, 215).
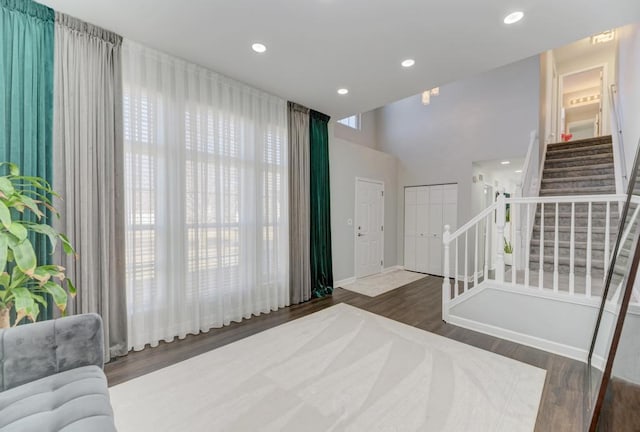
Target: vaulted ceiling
point(315, 47)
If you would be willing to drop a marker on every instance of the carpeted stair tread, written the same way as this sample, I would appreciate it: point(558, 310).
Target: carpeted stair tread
point(581, 178)
point(565, 244)
point(578, 262)
point(579, 171)
point(592, 190)
point(577, 229)
point(586, 159)
point(580, 143)
point(592, 149)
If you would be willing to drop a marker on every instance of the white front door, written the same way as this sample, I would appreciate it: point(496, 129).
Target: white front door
point(369, 227)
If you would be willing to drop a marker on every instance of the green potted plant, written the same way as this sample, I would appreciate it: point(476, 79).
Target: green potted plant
point(508, 252)
point(24, 283)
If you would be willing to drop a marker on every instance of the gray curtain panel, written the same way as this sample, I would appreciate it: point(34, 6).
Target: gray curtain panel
point(299, 210)
point(88, 170)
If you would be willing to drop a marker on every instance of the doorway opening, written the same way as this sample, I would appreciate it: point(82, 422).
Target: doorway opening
point(581, 98)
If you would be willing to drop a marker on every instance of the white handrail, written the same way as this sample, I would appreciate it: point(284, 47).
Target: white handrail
point(567, 199)
point(530, 170)
point(471, 223)
point(618, 150)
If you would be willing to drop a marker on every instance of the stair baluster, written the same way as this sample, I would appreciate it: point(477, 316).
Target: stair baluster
point(514, 245)
point(466, 259)
point(555, 253)
point(588, 275)
point(541, 266)
point(475, 265)
point(487, 221)
point(527, 249)
point(456, 274)
point(572, 251)
point(607, 240)
point(446, 281)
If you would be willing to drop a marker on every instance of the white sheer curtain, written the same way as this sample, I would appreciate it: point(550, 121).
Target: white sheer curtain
point(206, 198)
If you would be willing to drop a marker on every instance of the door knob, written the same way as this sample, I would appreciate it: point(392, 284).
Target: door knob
point(360, 234)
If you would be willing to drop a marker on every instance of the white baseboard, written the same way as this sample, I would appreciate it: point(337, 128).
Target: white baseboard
point(532, 341)
point(347, 281)
point(392, 268)
point(352, 279)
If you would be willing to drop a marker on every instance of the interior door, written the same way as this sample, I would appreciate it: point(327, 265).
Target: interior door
point(369, 228)
point(422, 229)
point(410, 228)
point(435, 229)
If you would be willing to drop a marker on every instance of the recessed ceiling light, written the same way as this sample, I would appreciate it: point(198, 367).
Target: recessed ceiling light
point(513, 17)
point(343, 91)
point(518, 171)
point(258, 47)
point(505, 162)
point(408, 63)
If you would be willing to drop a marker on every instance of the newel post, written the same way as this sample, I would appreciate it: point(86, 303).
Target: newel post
point(446, 281)
point(501, 218)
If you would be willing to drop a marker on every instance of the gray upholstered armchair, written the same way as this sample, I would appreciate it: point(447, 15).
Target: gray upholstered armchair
point(51, 377)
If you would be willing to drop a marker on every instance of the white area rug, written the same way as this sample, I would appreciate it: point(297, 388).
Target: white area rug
point(340, 369)
point(375, 285)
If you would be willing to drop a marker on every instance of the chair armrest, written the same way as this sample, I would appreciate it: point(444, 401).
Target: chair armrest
point(33, 351)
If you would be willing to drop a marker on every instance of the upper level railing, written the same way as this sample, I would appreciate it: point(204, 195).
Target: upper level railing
point(530, 184)
point(618, 142)
point(558, 244)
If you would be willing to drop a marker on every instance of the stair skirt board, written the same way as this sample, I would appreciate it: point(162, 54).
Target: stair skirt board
point(510, 331)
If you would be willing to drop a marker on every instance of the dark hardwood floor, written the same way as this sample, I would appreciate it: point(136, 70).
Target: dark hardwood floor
point(417, 304)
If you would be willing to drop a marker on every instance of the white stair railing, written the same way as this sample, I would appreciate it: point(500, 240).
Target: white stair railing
point(579, 226)
point(618, 143)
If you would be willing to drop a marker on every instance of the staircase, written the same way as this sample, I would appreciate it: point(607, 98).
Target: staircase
point(583, 167)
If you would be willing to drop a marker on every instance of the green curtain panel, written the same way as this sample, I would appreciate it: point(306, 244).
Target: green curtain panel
point(26, 94)
point(321, 265)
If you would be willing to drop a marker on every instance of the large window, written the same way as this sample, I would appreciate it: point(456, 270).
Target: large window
point(207, 231)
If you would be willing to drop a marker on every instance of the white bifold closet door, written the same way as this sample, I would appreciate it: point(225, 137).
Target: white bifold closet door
point(427, 210)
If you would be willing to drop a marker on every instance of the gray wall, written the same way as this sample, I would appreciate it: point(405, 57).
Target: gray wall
point(489, 116)
point(348, 161)
point(367, 135)
point(629, 89)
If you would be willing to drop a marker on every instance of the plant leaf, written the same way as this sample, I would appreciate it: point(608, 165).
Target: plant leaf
point(17, 278)
point(25, 257)
point(13, 168)
point(5, 215)
point(19, 231)
point(25, 304)
point(66, 245)
point(58, 293)
point(48, 231)
point(5, 280)
point(4, 249)
point(41, 275)
point(71, 287)
point(31, 205)
point(6, 186)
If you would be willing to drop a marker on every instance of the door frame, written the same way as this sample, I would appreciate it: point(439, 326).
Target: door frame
point(604, 98)
point(355, 234)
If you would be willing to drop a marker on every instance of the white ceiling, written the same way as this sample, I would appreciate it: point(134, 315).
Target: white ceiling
point(317, 46)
